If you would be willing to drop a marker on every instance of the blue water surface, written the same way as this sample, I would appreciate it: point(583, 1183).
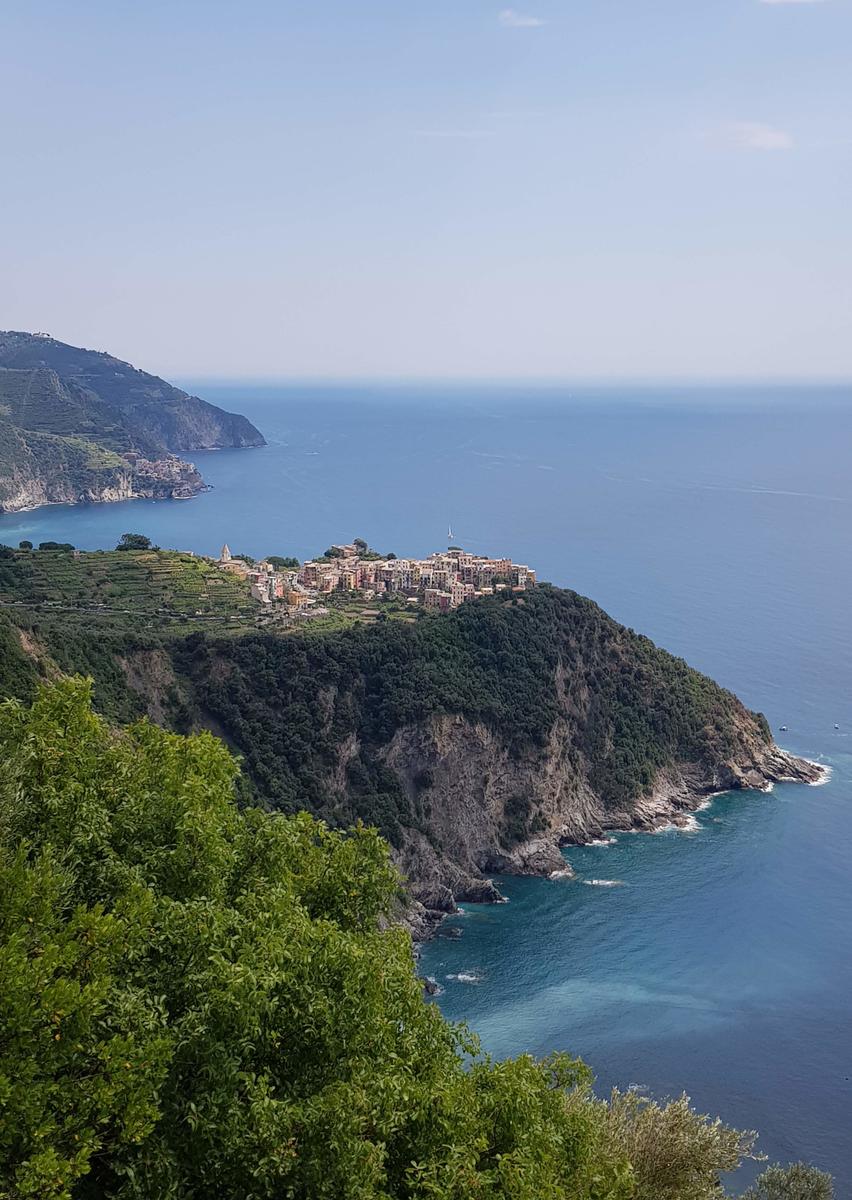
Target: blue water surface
point(717, 521)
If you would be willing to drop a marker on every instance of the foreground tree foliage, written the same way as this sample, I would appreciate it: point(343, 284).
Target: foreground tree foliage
point(198, 1002)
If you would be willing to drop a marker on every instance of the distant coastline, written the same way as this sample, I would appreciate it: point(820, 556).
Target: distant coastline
point(81, 427)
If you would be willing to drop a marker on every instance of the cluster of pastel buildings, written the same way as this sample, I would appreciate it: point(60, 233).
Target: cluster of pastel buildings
point(267, 584)
point(441, 581)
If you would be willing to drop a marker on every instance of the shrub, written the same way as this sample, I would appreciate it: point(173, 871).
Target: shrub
point(798, 1182)
point(675, 1153)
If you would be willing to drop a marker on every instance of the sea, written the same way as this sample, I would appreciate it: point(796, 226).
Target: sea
point(718, 521)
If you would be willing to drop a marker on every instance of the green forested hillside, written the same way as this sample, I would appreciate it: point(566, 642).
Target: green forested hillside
point(288, 703)
point(198, 1002)
point(635, 706)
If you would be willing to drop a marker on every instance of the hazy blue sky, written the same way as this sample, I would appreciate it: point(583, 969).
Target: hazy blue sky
point(568, 188)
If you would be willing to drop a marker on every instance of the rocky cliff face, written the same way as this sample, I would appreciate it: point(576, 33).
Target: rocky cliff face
point(492, 811)
point(41, 469)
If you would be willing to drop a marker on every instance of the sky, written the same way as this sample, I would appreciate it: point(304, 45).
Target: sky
point(566, 190)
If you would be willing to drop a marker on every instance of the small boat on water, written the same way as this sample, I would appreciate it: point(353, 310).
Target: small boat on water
point(783, 729)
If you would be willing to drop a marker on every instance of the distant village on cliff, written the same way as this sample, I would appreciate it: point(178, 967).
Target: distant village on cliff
point(441, 582)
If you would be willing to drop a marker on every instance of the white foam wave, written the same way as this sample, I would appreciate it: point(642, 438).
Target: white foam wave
point(604, 883)
point(566, 874)
point(825, 773)
point(465, 977)
point(602, 841)
point(684, 824)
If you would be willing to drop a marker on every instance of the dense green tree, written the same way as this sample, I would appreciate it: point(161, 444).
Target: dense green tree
point(198, 1002)
point(283, 564)
point(133, 541)
point(25, 545)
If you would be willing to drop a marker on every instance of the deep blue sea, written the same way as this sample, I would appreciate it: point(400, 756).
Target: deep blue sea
point(717, 521)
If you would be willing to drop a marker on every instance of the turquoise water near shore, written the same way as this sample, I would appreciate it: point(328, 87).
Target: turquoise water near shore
point(717, 521)
point(719, 963)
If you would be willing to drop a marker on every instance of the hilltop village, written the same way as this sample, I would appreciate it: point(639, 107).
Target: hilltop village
point(440, 582)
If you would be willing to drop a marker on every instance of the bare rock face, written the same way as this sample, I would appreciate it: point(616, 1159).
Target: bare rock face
point(478, 791)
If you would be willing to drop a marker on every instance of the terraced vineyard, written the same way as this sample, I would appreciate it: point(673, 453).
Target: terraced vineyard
point(163, 582)
point(37, 400)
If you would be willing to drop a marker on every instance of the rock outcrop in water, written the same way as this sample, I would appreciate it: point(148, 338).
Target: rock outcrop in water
point(78, 426)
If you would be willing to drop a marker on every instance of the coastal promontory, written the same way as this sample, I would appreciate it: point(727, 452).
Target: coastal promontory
point(79, 426)
point(479, 741)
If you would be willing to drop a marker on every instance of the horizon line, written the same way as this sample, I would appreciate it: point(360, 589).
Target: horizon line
point(543, 381)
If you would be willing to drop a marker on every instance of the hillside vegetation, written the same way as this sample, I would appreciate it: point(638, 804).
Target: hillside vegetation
point(201, 1002)
point(476, 741)
point(134, 582)
point(510, 663)
point(287, 702)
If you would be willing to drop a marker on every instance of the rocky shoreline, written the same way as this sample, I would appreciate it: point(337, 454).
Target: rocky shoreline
point(676, 797)
point(169, 478)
